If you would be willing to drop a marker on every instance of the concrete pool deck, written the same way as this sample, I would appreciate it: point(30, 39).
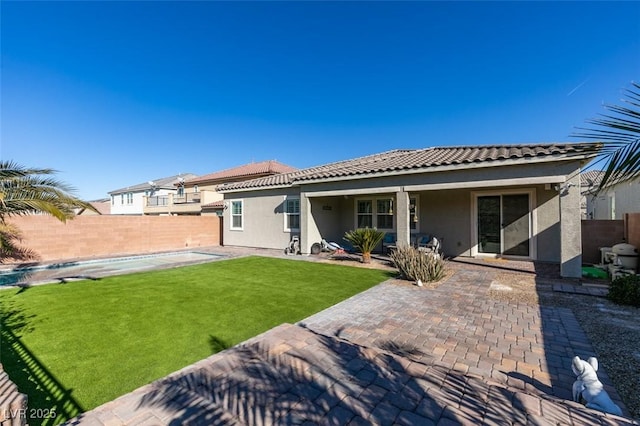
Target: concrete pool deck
point(94, 269)
point(394, 354)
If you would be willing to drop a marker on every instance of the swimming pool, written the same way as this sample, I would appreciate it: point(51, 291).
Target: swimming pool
point(98, 268)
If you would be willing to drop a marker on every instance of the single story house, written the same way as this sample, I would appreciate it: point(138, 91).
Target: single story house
point(520, 201)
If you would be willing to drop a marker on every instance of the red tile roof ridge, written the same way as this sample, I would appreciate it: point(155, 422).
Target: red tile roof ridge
point(249, 169)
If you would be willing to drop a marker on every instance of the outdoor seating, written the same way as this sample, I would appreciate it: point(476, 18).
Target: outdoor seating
point(389, 242)
point(430, 244)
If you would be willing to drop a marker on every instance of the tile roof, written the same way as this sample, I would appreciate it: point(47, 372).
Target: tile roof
point(247, 170)
point(591, 178)
point(162, 183)
point(417, 160)
point(215, 205)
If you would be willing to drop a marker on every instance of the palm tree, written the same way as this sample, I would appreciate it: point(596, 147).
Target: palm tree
point(619, 132)
point(365, 239)
point(26, 191)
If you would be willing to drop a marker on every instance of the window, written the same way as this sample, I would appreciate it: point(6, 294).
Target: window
point(292, 214)
point(122, 199)
point(236, 214)
point(380, 213)
point(365, 214)
point(113, 200)
point(384, 214)
point(381, 217)
point(195, 188)
point(129, 197)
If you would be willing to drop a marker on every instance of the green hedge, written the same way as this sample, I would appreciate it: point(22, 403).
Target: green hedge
point(625, 290)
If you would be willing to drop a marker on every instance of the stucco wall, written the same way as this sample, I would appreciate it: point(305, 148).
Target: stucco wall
point(263, 218)
point(113, 235)
point(615, 202)
point(444, 206)
point(548, 226)
point(447, 215)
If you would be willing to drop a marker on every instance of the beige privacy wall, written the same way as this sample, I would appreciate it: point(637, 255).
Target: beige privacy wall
point(110, 235)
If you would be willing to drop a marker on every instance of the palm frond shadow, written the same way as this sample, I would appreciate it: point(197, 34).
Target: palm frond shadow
point(405, 350)
point(30, 375)
point(326, 380)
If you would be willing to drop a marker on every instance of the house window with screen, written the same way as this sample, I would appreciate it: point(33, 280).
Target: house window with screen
point(292, 214)
point(236, 214)
point(365, 213)
point(384, 213)
point(129, 197)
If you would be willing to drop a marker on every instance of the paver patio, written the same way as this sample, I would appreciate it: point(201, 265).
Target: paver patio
point(394, 354)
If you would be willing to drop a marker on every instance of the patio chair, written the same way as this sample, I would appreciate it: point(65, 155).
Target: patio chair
point(388, 242)
point(429, 243)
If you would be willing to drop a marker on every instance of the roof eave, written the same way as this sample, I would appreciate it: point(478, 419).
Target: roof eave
point(254, 188)
point(445, 168)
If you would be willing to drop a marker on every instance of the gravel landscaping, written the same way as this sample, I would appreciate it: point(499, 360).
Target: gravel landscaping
point(614, 330)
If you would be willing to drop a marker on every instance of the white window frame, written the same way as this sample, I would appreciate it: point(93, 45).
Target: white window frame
point(533, 222)
point(356, 213)
point(129, 198)
point(388, 213)
point(288, 214)
point(374, 211)
point(232, 215)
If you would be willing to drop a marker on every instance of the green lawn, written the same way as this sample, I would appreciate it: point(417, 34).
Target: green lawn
point(72, 347)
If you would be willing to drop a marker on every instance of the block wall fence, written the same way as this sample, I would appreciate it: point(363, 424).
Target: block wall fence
point(86, 237)
point(606, 233)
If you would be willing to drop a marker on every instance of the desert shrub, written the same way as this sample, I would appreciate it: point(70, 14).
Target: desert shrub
point(415, 265)
point(625, 290)
point(365, 240)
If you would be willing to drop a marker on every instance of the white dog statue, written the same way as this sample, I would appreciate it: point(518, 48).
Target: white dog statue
point(590, 388)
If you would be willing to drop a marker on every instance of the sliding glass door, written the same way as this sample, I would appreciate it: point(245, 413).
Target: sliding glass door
point(504, 225)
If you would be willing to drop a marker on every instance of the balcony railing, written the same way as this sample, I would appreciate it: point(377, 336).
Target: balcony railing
point(190, 197)
point(157, 201)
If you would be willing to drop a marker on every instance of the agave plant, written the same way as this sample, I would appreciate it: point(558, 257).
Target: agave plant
point(619, 133)
point(365, 240)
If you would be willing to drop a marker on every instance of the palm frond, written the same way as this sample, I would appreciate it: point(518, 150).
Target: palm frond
point(29, 190)
point(619, 132)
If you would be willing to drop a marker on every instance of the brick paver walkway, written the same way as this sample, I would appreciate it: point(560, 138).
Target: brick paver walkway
point(394, 354)
point(457, 326)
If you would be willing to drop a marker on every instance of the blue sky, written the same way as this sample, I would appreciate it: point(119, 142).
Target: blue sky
point(117, 93)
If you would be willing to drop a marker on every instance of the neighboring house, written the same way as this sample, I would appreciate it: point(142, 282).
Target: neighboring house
point(132, 199)
point(103, 206)
point(613, 201)
point(200, 195)
point(521, 201)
